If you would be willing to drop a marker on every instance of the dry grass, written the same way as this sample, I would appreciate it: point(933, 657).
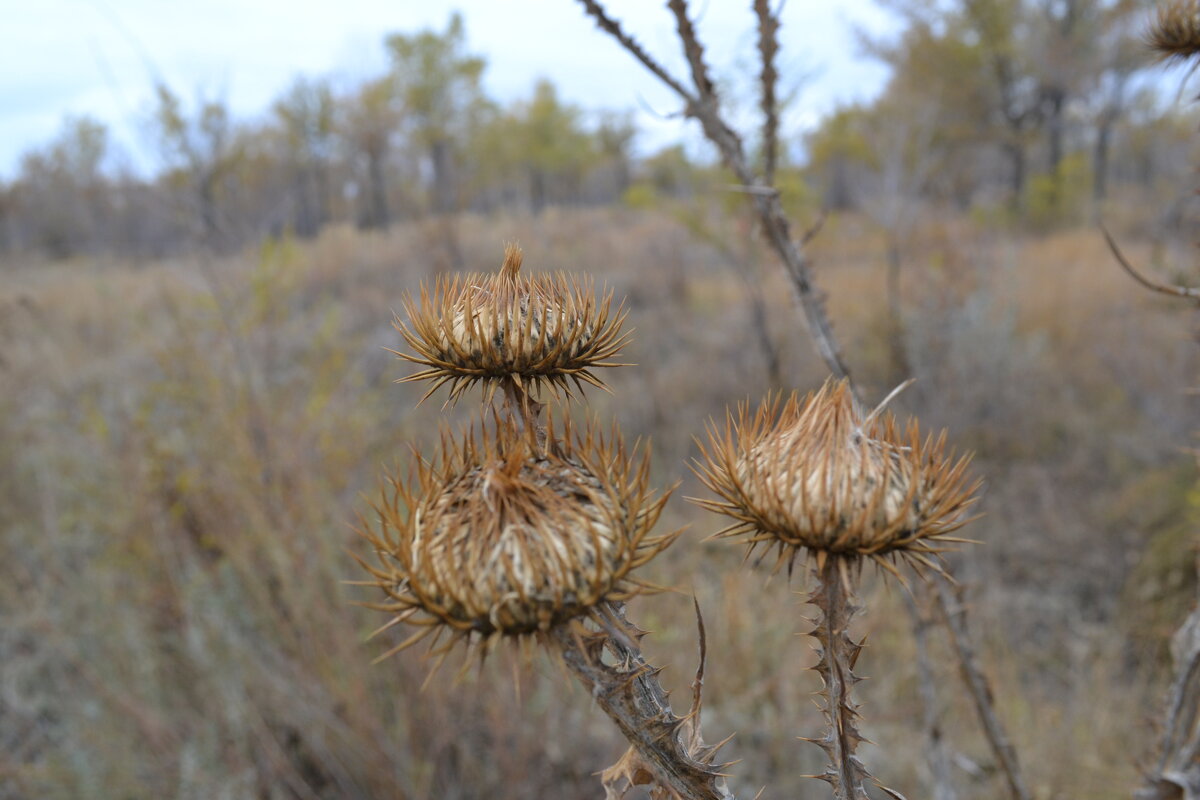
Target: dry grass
point(183, 446)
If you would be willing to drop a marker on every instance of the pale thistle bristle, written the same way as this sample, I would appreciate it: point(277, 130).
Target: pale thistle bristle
point(536, 330)
point(500, 537)
point(1175, 32)
point(512, 261)
point(815, 476)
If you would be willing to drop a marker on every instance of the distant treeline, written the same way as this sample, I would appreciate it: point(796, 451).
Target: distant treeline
point(1035, 108)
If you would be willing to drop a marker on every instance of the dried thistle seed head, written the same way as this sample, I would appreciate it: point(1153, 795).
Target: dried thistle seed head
point(816, 475)
point(1175, 33)
point(538, 329)
point(499, 537)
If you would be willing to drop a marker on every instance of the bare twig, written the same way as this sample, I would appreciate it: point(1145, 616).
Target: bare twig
point(1164, 288)
point(815, 228)
point(704, 107)
point(768, 47)
point(935, 746)
point(1176, 775)
point(954, 612)
point(744, 264)
point(667, 746)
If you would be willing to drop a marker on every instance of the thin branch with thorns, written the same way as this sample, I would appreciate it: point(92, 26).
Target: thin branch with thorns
point(702, 104)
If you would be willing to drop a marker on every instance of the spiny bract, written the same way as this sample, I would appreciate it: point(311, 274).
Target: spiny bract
point(500, 536)
point(814, 474)
point(1175, 33)
point(538, 329)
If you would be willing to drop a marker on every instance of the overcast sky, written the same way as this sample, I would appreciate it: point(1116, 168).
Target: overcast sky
point(97, 57)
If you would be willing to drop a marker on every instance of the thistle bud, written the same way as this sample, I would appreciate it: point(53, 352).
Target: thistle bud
point(538, 329)
point(816, 475)
point(501, 537)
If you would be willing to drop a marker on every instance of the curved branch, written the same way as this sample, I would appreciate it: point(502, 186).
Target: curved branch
point(1174, 291)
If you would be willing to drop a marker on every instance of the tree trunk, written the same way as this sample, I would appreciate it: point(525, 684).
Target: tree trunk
point(207, 196)
point(304, 223)
point(901, 368)
point(1100, 161)
point(321, 177)
point(1055, 131)
point(537, 190)
point(377, 206)
point(443, 177)
point(1016, 155)
point(838, 195)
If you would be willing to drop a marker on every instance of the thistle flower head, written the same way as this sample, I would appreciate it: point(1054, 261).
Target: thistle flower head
point(538, 329)
point(1175, 33)
point(814, 475)
point(500, 537)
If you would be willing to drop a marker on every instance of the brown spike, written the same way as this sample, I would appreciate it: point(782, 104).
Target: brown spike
point(498, 537)
point(538, 329)
point(814, 474)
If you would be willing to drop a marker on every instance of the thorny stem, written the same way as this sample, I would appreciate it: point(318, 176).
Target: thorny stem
point(525, 410)
point(936, 755)
point(838, 653)
point(954, 613)
point(701, 103)
point(1176, 776)
point(629, 692)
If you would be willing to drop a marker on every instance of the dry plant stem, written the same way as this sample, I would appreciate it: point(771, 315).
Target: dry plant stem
point(702, 104)
point(629, 692)
point(525, 410)
point(768, 47)
point(901, 366)
point(838, 653)
point(1177, 773)
point(1154, 286)
point(954, 613)
point(935, 745)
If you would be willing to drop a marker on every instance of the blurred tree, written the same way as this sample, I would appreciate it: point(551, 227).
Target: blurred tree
point(369, 119)
point(835, 150)
point(439, 87)
point(554, 148)
point(540, 151)
point(1012, 73)
point(7, 232)
point(671, 172)
point(614, 136)
point(306, 116)
point(1120, 55)
point(201, 154)
point(60, 195)
point(1085, 53)
point(970, 54)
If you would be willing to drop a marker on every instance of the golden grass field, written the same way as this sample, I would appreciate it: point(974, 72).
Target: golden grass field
point(184, 447)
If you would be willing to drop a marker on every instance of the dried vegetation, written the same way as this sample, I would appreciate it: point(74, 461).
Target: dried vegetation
point(175, 621)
